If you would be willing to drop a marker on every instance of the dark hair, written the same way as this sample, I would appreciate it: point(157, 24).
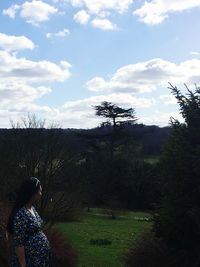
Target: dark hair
point(27, 190)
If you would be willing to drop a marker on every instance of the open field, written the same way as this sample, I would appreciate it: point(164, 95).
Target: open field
point(152, 159)
point(98, 225)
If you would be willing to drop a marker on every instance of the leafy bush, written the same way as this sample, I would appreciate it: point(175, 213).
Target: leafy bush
point(149, 251)
point(63, 253)
point(152, 251)
point(69, 209)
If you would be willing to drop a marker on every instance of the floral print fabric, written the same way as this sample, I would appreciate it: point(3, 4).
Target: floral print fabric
point(28, 233)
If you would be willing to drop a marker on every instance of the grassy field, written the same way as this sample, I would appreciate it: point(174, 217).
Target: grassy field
point(97, 225)
point(152, 159)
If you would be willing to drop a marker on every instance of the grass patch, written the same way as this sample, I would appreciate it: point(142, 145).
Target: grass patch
point(97, 225)
point(152, 159)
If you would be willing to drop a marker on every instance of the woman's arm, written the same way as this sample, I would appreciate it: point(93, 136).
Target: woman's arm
point(21, 255)
point(19, 235)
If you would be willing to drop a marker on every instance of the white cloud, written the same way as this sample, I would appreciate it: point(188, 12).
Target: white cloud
point(33, 71)
point(104, 14)
point(101, 9)
point(168, 99)
point(62, 33)
point(33, 12)
point(23, 81)
point(49, 35)
point(96, 6)
point(160, 118)
point(103, 24)
point(156, 11)
point(147, 76)
point(11, 11)
point(14, 43)
point(82, 17)
point(195, 53)
point(65, 64)
point(15, 112)
point(17, 98)
point(14, 94)
point(24, 108)
point(97, 84)
point(123, 100)
point(37, 11)
point(19, 79)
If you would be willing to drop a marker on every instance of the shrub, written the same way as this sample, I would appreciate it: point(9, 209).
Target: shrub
point(152, 251)
point(69, 210)
point(142, 219)
point(149, 251)
point(4, 245)
point(100, 242)
point(63, 253)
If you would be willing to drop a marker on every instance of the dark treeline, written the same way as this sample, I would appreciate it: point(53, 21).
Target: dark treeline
point(77, 168)
point(152, 138)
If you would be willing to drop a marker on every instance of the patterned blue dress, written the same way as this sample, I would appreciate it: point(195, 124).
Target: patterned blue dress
point(28, 233)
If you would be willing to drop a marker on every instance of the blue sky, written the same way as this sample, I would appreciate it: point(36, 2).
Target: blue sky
point(58, 58)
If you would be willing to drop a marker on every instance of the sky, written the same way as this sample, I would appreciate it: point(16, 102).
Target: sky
point(60, 58)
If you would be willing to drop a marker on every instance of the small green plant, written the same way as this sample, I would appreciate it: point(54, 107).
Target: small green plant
point(100, 242)
point(143, 219)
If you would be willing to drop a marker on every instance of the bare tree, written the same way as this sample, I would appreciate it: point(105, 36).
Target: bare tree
point(33, 150)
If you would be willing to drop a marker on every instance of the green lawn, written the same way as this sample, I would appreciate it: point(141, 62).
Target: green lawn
point(152, 159)
point(97, 225)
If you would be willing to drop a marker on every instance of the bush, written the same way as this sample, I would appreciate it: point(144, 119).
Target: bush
point(100, 242)
point(152, 251)
point(4, 245)
point(149, 251)
point(63, 253)
point(69, 209)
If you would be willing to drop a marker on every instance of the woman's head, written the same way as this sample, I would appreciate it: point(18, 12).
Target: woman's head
point(29, 192)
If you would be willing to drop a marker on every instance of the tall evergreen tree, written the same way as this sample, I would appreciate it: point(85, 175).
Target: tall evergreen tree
point(116, 116)
point(114, 113)
point(179, 216)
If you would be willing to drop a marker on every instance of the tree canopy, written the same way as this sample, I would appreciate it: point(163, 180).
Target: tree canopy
point(179, 215)
point(114, 113)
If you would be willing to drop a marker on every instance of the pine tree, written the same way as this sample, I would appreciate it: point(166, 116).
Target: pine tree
point(178, 219)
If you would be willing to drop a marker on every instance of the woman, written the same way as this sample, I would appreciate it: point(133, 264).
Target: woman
point(30, 247)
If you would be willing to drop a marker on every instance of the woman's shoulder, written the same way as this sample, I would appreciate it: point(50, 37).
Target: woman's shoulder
point(21, 210)
point(21, 213)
